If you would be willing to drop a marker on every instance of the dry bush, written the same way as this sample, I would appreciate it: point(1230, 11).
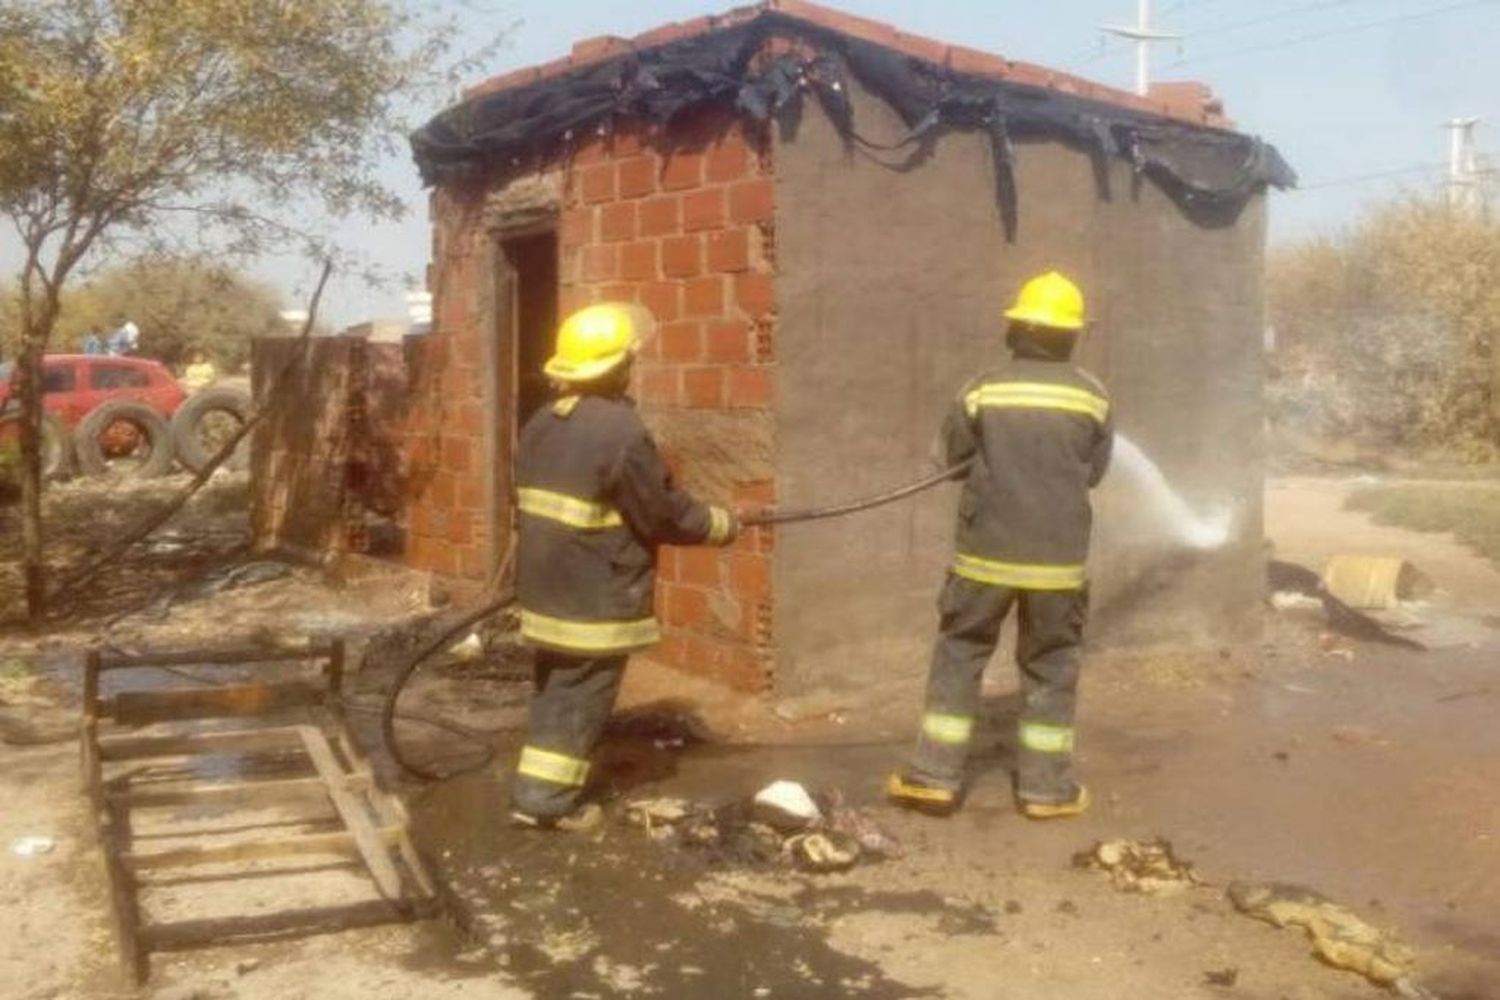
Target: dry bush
point(1386, 334)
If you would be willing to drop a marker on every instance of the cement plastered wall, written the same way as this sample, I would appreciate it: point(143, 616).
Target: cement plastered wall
point(890, 287)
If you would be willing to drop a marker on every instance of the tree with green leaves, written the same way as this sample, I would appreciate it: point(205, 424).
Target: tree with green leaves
point(130, 124)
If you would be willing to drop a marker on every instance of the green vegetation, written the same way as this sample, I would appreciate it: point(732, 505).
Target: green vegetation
point(1469, 511)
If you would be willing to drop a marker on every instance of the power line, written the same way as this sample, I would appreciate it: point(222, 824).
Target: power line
point(1416, 168)
point(1184, 4)
point(1332, 32)
point(1093, 53)
point(1309, 8)
point(1102, 51)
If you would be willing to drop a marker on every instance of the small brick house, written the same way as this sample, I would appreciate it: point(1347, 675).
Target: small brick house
point(826, 215)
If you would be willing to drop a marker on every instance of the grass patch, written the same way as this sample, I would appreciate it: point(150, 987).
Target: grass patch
point(1468, 511)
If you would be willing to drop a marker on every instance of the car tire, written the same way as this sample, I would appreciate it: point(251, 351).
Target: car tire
point(188, 444)
point(148, 422)
point(57, 445)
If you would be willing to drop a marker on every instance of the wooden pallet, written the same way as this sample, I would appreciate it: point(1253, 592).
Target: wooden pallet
point(317, 764)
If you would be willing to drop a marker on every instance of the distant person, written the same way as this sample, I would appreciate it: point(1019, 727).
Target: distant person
point(200, 372)
point(93, 341)
point(1038, 433)
point(126, 340)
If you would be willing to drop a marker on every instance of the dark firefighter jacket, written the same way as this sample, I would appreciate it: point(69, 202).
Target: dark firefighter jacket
point(1041, 435)
point(595, 500)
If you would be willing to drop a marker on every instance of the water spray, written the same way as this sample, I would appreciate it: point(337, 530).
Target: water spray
point(1195, 531)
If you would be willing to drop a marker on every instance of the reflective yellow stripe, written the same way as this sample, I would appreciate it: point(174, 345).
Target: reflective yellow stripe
point(719, 523)
point(902, 789)
point(589, 637)
point(1044, 738)
point(950, 729)
point(557, 768)
point(1036, 396)
point(1023, 576)
point(576, 513)
point(565, 406)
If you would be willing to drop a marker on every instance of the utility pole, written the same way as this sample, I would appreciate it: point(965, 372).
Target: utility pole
point(1463, 164)
point(1463, 196)
point(1144, 36)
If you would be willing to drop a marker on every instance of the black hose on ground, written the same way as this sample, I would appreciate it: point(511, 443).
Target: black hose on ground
point(507, 596)
point(504, 599)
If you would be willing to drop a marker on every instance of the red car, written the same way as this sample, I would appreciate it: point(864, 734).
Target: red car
point(73, 385)
point(114, 409)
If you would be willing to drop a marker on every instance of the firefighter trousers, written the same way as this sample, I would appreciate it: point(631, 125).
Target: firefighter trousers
point(573, 698)
point(1047, 652)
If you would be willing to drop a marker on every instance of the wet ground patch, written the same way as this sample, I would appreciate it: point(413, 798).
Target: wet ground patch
point(615, 914)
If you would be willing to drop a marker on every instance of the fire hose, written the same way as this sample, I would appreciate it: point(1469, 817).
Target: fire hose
point(505, 597)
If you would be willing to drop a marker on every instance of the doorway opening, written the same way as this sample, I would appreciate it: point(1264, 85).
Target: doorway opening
point(533, 264)
point(524, 322)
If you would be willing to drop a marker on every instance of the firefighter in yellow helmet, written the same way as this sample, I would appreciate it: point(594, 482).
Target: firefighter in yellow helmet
point(595, 501)
point(1039, 432)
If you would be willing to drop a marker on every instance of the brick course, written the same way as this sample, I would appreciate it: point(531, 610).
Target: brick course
point(700, 257)
point(686, 230)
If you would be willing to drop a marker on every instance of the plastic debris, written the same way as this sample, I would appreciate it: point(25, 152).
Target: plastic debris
point(782, 824)
point(873, 838)
point(33, 846)
point(467, 649)
point(786, 805)
point(1150, 867)
point(657, 814)
point(823, 851)
point(1375, 583)
point(1284, 579)
point(1339, 936)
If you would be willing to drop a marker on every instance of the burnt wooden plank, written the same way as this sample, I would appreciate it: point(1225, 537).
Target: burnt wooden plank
point(113, 828)
point(225, 793)
point(266, 926)
point(212, 657)
point(235, 741)
point(351, 809)
point(258, 849)
point(392, 813)
point(138, 708)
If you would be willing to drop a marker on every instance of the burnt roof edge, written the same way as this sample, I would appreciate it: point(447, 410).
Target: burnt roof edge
point(521, 126)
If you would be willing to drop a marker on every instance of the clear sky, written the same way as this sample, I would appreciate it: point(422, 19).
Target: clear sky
point(1341, 104)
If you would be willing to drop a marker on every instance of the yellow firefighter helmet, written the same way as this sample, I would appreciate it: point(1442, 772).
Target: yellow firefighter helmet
point(596, 340)
point(1049, 300)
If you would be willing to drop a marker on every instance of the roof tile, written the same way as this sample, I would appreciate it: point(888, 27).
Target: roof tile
point(962, 59)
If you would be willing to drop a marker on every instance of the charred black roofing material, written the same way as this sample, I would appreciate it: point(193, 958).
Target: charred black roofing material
point(1210, 173)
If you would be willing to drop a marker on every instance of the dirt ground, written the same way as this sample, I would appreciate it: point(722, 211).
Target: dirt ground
point(1367, 772)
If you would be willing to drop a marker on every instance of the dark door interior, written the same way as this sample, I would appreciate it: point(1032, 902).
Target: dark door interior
point(533, 261)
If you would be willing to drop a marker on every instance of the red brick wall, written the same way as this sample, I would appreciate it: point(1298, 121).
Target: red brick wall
point(445, 525)
point(684, 225)
point(686, 228)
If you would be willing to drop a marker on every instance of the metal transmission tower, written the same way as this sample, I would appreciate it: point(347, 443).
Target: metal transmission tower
point(1463, 164)
point(1144, 36)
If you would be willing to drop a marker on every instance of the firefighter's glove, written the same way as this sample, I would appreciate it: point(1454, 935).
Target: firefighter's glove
point(723, 526)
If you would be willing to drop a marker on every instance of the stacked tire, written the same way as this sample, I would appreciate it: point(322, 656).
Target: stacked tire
point(117, 418)
point(126, 438)
point(190, 430)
